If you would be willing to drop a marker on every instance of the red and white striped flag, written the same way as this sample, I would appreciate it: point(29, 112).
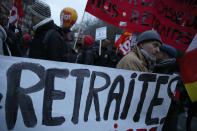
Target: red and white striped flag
point(16, 12)
point(125, 42)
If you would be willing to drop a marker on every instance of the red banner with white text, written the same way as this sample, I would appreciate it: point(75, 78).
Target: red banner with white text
point(16, 12)
point(174, 20)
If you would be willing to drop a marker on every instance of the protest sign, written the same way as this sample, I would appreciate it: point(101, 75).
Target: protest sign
point(55, 96)
point(101, 33)
point(174, 20)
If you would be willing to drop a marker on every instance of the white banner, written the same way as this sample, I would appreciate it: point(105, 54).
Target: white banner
point(39, 95)
point(101, 33)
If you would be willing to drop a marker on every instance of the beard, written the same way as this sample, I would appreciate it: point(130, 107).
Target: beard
point(152, 57)
point(148, 56)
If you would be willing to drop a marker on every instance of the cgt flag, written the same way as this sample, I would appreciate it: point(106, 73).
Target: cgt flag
point(188, 69)
point(16, 12)
point(125, 42)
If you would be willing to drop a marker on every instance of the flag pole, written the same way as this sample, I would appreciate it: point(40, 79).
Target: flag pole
point(79, 30)
point(100, 44)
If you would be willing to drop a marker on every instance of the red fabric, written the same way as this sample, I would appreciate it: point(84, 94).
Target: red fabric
point(188, 67)
point(124, 43)
point(177, 94)
point(141, 129)
point(175, 21)
point(25, 46)
point(88, 41)
point(115, 125)
point(153, 129)
point(130, 130)
point(19, 6)
point(16, 12)
point(26, 36)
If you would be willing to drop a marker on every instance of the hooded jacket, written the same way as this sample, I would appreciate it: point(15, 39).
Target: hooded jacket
point(134, 61)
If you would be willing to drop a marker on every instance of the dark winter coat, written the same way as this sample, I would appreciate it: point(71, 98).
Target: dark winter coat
point(87, 56)
point(87, 51)
point(104, 58)
point(168, 66)
point(12, 42)
point(71, 55)
point(108, 58)
point(115, 58)
point(51, 49)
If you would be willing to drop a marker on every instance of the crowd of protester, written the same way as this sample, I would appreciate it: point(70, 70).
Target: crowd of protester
point(50, 42)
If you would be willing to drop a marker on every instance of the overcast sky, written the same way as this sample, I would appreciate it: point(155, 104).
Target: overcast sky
point(58, 5)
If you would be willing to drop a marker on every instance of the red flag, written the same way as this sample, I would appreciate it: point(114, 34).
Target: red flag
point(125, 42)
point(188, 67)
point(16, 12)
point(173, 20)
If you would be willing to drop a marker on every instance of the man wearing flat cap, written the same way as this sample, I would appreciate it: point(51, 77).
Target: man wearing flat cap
point(143, 54)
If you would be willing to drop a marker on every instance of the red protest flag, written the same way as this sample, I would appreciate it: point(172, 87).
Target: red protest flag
point(124, 43)
point(188, 68)
point(162, 15)
point(16, 12)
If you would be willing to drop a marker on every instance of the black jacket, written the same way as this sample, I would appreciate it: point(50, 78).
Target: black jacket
point(168, 66)
point(53, 48)
point(87, 56)
point(104, 58)
point(12, 41)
